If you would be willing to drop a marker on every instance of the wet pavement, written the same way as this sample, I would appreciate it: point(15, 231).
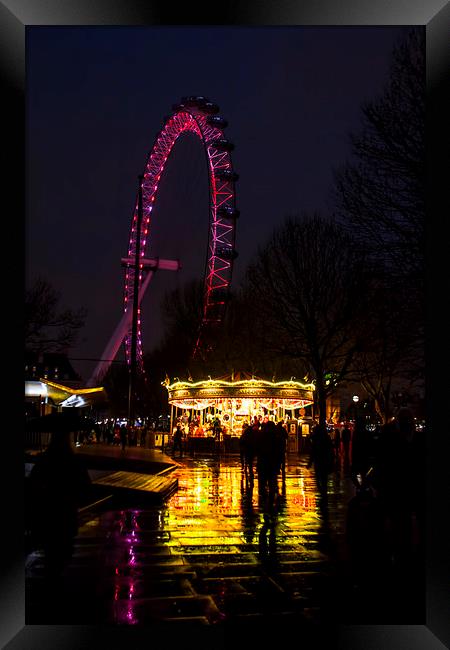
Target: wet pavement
point(213, 554)
point(101, 456)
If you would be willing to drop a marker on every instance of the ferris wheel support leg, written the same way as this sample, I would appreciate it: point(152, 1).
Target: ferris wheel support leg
point(117, 337)
point(124, 325)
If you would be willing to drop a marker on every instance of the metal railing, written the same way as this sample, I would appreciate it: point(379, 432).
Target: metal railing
point(36, 440)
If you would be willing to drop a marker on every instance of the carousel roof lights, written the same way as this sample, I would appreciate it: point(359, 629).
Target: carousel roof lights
point(238, 384)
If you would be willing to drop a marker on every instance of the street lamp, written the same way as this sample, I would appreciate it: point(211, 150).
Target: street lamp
point(355, 408)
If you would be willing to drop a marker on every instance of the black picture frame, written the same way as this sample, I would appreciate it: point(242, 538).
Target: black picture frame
point(15, 16)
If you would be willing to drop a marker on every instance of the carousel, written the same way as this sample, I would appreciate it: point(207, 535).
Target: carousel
point(216, 410)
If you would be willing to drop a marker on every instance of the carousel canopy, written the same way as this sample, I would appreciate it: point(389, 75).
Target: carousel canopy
point(201, 394)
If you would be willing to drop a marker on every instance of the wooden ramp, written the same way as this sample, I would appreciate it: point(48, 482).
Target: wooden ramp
point(154, 487)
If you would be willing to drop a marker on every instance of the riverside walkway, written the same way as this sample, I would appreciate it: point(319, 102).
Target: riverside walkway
point(212, 556)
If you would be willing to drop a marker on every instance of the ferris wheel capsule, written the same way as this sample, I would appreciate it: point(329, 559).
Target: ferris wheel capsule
point(225, 212)
point(226, 175)
point(221, 144)
point(217, 120)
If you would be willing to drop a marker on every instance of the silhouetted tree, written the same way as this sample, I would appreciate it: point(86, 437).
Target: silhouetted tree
point(243, 342)
point(380, 198)
point(48, 327)
point(182, 313)
point(381, 193)
point(390, 357)
point(310, 285)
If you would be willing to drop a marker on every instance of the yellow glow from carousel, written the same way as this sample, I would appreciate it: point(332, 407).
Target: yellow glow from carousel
point(232, 401)
point(250, 383)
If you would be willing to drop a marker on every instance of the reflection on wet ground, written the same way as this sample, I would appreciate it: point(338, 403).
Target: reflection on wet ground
point(214, 553)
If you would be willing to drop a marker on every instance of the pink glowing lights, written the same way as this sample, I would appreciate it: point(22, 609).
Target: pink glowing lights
point(221, 240)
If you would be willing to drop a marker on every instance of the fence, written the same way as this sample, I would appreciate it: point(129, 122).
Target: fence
point(36, 440)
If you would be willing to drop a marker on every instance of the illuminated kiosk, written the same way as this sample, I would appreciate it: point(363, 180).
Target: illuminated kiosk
point(213, 411)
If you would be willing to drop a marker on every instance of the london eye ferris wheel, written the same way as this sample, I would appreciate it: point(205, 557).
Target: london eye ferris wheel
point(198, 115)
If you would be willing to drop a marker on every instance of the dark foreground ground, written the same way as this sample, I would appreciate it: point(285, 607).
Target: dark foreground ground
point(214, 556)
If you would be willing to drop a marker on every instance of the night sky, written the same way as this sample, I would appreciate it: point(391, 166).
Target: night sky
point(96, 98)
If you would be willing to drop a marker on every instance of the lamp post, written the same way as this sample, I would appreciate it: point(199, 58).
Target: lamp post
point(132, 376)
point(355, 400)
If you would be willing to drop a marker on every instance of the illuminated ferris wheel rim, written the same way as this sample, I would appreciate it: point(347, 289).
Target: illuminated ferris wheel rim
point(196, 115)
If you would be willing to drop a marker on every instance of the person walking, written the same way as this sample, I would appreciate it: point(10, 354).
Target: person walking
point(248, 452)
point(337, 442)
point(282, 440)
point(398, 478)
point(361, 450)
point(321, 456)
point(268, 456)
point(177, 440)
point(346, 439)
point(365, 537)
point(242, 445)
point(123, 436)
point(143, 435)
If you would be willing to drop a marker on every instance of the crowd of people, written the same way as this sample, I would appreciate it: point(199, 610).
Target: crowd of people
point(264, 443)
point(385, 517)
point(116, 432)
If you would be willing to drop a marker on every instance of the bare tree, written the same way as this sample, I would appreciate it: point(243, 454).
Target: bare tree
point(182, 314)
point(381, 193)
point(48, 327)
point(380, 198)
point(311, 288)
point(391, 356)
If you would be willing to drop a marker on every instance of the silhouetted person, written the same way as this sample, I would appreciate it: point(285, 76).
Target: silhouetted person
point(242, 445)
point(346, 439)
point(177, 440)
point(132, 436)
point(58, 483)
point(361, 449)
point(399, 469)
point(337, 442)
point(116, 434)
point(365, 537)
point(248, 451)
point(123, 436)
point(216, 429)
point(321, 456)
point(267, 454)
point(256, 424)
point(143, 435)
point(282, 440)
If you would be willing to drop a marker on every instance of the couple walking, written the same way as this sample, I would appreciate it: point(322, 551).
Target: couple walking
point(267, 443)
